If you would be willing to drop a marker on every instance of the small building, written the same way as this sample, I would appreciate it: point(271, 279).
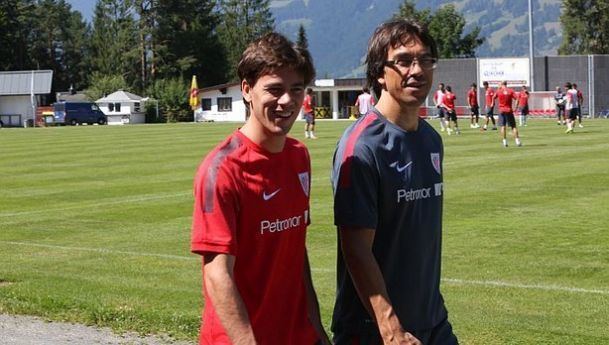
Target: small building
point(221, 103)
point(20, 94)
point(122, 107)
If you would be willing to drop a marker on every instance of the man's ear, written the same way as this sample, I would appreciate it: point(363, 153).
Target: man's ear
point(381, 80)
point(246, 91)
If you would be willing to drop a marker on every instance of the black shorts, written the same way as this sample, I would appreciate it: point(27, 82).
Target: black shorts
point(507, 119)
point(475, 110)
point(441, 112)
point(452, 115)
point(442, 334)
point(523, 110)
point(489, 112)
point(573, 113)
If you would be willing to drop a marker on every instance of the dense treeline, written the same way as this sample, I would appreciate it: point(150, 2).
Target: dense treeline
point(149, 47)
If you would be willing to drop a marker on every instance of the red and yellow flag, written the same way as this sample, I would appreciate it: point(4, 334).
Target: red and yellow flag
point(194, 93)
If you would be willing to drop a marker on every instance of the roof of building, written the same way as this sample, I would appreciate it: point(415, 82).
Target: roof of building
point(120, 96)
point(218, 87)
point(20, 82)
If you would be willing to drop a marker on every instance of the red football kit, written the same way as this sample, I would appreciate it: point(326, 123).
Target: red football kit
point(307, 104)
point(449, 100)
point(489, 94)
point(254, 205)
point(472, 98)
point(505, 96)
point(523, 99)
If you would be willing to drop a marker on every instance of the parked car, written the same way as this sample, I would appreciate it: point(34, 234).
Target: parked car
point(75, 113)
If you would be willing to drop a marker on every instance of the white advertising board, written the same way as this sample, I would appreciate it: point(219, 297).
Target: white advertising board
point(513, 70)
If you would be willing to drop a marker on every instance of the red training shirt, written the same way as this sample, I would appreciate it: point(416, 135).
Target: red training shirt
point(506, 97)
point(489, 95)
point(472, 98)
point(254, 205)
point(523, 99)
point(307, 104)
point(449, 100)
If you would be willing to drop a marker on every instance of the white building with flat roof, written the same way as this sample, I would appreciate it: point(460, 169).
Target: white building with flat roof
point(20, 93)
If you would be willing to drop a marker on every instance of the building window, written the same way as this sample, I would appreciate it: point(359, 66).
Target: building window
point(110, 106)
point(225, 104)
point(206, 104)
point(136, 107)
point(117, 107)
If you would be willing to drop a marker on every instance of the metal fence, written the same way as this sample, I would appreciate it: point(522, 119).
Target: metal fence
point(589, 72)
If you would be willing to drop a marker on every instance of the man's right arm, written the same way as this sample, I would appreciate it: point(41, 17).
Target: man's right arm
point(356, 244)
point(222, 290)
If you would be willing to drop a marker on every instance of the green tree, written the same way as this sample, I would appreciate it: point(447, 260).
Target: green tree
point(103, 84)
point(446, 26)
point(14, 33)
point(585, 25)
point(114, 48)
point(172, 95)
point(302, 40)
point(185, 41)
point(242, 22)
point(57, 40)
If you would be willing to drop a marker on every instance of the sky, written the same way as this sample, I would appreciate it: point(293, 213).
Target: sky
point(83, 6)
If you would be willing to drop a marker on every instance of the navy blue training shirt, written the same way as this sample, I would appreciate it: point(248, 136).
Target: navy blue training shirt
point(390, 180)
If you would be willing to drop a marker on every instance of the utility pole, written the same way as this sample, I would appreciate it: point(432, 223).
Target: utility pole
point(531, 53)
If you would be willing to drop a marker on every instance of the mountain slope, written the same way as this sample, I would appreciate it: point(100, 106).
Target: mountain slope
point(338, 30)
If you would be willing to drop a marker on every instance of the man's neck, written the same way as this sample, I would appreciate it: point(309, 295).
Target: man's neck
point(403, 116)
point(271, 143)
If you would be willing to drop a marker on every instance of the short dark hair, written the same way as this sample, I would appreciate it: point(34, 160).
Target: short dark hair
point(272, 52)
point(366, 89)
point(485, 83)
point(568, 85)
point(393, 33)
point(474, 85)
point(309, 91)
point(449, 89)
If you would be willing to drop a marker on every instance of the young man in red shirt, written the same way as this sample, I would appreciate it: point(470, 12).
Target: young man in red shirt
point(309, 117)
point(449, 102)
point(523, 105)
point(472, 102)
point(506, 97)
point(251, 211)
point(489, 98)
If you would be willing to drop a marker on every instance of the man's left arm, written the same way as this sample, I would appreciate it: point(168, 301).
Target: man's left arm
point(312, 304)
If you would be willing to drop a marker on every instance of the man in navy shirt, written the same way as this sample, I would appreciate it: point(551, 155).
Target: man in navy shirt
point(387, 181)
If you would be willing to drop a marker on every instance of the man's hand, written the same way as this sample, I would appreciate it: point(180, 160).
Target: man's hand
point(401, 338)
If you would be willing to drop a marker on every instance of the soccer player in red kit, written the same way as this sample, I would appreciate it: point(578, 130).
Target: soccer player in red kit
point(251, 211)
point(489, 97)
point(523, 105)
point(451, 112)
point(472, 101)
point(506, 97)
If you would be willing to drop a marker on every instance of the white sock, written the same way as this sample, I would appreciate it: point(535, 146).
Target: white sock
point(517, 141)
point(504, 142)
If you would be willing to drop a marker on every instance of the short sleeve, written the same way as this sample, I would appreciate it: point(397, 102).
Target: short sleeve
point(215, 211)
point(356, 190)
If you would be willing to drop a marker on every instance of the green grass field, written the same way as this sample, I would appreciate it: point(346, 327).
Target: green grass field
point(95, 228)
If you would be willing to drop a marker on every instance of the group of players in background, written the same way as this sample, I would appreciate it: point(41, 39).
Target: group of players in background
point(568, 108)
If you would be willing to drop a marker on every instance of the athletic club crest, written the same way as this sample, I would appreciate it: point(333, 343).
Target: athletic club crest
point(435, 161)
point(304, 182)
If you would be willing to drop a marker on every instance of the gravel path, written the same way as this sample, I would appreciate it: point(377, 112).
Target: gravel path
point(27, 330)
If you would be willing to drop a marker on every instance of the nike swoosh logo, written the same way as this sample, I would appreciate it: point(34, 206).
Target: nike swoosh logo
point(400, 168)
point(267, 197)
